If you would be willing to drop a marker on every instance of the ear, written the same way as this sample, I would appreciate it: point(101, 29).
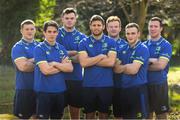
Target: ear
point(103, 27)
point(139, 34)
point(44, 33)
point(161, 29)
point(62, 18)
point(21, 30)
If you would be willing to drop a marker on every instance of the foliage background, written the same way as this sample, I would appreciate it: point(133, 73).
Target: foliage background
point(13, 12)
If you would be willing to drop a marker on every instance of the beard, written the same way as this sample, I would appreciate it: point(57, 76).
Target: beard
point(97, 33)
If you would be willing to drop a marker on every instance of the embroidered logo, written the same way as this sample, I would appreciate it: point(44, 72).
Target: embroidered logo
point(47, 52)
point(90, 45)
point(139, 115)
point(163, 108)
point(61, 52)
point(124, 52)
point(157, 50)
point(26, 48)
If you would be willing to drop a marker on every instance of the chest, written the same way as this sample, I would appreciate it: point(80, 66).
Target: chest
point(29, 50)
point(97, 48)
point(54, 54)
point(70, 41)
point(127, 55)
point(155, 50)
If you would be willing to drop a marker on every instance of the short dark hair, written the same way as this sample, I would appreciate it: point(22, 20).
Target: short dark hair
point(157, 19)
point(113, 18)
point(69, 10)
point(27, 22)
point(96, 18)
point(50, 23)
point(130, 25)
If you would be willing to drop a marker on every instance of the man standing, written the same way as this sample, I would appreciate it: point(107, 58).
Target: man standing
point(69, 37)
point(51, 62)
point(160, 53)
point(133, 65)
point(113, 26)
point(97, 55)
point(23, 59)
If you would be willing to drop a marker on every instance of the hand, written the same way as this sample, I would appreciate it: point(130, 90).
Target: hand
point(102, 56)
point(152, 60)
point(31, 60)
point(118, 62)
point(52, 63)
point(65, 60)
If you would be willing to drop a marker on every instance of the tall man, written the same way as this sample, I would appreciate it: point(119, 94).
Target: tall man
point(51, 62)
point(23, 59)
point(97, 55)
point(133, 64)
point(160, 53)
point(113, 26)
point(69, 37)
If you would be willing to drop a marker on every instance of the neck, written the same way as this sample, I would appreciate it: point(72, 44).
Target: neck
point(69, 29)
point(29, 41)
point(115, 37)
point(98, 37)
point(155, 38)
point(132, 45)
point(52, 43)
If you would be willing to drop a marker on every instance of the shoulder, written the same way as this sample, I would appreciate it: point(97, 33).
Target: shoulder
point(18, 45)
point(142, 48)
point(60, 46)
point(146, 42)
point(109, 39)
point(40, 45)
point(85, 40)
point(166, 43)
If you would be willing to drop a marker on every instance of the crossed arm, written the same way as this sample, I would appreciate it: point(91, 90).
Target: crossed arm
point(157, 64)
point(130, 69)
point(73, 55)
point(99, 60)
point(25, 65)
point(55, 67)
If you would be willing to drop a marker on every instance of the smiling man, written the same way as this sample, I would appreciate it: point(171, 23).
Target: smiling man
point(23, 59)
point(97, 54)
point(51, 62)
point(133, 65)
point(160, 54)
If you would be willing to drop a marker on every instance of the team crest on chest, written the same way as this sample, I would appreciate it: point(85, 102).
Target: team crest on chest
point(104, 46)
point(76, 40)
point(158, 50)
point(61, 52)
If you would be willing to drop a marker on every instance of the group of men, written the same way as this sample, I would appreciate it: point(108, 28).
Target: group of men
point(128, 74)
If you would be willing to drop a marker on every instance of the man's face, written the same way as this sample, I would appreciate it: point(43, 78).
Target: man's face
point(154, 29)
point(28, 31)
point(69, 20)
point(132, 35)
point(113, 29)
point(51, 34)
point(96, 28)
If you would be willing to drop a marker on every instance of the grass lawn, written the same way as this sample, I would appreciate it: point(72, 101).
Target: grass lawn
point(7, 81)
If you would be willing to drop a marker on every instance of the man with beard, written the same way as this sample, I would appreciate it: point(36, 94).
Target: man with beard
point(97, 54)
